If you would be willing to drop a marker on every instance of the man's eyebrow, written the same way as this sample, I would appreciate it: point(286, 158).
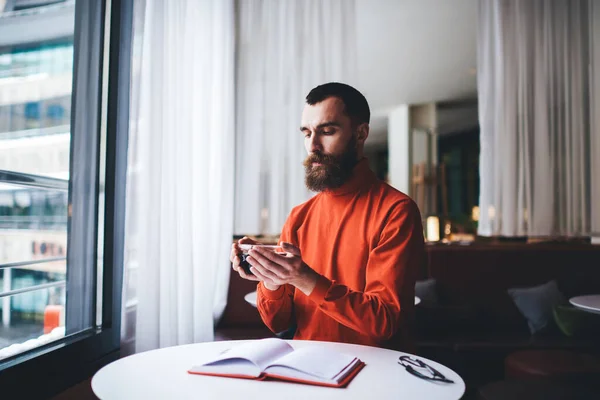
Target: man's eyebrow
point(323, 125)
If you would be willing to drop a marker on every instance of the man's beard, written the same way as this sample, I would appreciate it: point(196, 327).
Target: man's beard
point(333, 172)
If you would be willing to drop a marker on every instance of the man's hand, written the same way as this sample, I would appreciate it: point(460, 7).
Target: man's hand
point(235, 259)
point(279, 269)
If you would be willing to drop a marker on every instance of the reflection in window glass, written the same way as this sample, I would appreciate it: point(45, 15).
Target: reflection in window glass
point(35, 112)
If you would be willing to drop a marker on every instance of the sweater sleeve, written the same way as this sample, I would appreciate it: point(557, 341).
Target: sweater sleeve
point(390, 278)
point(276, 307)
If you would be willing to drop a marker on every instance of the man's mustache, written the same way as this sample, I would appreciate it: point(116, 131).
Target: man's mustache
point(320, 158)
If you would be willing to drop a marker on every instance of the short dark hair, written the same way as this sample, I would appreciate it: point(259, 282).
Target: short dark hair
point(355, 104)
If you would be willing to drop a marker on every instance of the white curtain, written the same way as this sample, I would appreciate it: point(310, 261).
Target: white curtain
point(534, 112)
point(285, 48)
point(180, 188)
point(594, 15)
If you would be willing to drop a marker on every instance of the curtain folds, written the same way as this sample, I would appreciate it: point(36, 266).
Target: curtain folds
point(180, 191)
point(534, 112)
point(285, 48)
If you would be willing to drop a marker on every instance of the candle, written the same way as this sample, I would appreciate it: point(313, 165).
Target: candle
point(433, 229)
point(475, 214)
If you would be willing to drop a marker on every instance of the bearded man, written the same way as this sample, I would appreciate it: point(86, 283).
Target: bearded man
point(351, 253)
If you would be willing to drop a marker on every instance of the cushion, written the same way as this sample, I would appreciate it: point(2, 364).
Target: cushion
point(537, 304)
point(425, 290)
point(575, 322)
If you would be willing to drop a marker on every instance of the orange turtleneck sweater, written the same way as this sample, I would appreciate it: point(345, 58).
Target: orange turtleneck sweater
point(365, 240)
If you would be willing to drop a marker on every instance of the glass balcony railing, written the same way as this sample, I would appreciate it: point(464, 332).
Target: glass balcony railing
point(33, 246)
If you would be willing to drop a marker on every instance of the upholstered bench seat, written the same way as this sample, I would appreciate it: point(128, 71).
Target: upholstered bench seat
point(551, 364)
point(536, 390)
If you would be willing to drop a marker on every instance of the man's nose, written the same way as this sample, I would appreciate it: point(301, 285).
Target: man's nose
point(315, 144)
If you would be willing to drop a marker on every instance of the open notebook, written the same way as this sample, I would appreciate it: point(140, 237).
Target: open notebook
point(275, 358)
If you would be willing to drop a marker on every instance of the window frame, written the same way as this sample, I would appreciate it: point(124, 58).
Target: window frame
point(47, 370)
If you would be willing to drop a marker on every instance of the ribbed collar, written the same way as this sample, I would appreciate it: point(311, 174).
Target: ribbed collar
point(362, 178)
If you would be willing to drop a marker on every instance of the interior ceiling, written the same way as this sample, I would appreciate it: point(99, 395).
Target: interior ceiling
point(408, 51)
point(415, 51)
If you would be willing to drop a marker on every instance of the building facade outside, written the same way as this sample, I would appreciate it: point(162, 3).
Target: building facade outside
point(35, 112)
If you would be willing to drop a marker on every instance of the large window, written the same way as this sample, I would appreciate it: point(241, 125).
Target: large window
point(36, 81)
point(64, 82)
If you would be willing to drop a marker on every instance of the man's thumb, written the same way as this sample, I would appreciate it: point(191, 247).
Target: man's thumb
point(290, 248)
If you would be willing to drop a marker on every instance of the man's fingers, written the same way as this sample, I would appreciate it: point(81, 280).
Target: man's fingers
point(233, 256)
point(267, 254)
point(244, 275)
point(290, 248)
point(261, 276)
point(266, 259)
point(263, 271)
point(247, 240)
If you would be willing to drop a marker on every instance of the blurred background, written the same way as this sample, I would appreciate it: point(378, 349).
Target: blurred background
point(485, 112)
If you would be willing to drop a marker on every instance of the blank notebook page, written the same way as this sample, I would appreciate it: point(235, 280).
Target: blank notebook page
point(315, 361)
point(260, 352)
point(228, 367)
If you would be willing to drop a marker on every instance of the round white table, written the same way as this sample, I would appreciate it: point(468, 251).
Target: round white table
point(251, 299)
point(589, 303)
point(162, 374)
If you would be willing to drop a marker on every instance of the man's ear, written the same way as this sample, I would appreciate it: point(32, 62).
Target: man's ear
point(362, 132)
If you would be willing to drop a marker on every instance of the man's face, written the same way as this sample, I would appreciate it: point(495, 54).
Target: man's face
point(331, 143)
